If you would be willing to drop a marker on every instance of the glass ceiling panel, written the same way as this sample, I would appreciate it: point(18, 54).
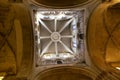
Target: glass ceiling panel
point(59, 36)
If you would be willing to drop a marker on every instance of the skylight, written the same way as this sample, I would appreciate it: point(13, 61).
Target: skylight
point(57, 38)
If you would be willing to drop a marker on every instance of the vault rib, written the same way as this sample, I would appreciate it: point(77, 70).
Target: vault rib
point(45, 25)
point(55, 25)
point(66, 47)
point(66, 24)
point(45, 37)
point(46, 48)
point(67, 36)
point(56, 48)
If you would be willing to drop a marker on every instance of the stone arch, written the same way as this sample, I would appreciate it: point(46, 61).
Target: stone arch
point(103, 37)
point(66, 73)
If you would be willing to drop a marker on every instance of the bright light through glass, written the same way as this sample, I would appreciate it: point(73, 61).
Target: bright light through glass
point(1, 77)
point(57, 35)
point(41, 15)
point(118, 68)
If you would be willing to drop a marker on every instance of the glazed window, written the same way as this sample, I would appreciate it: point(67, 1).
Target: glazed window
point(1, 77)
point(59, 36)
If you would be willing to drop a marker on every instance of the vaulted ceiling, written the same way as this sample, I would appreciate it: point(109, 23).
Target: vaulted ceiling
point(61, 2)
point(17, 58)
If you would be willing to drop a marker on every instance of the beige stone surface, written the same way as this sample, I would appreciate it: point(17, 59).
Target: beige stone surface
point(60, 2)
point(66, 73)
point(16, 43)
point(7, 39)
point(103, 37)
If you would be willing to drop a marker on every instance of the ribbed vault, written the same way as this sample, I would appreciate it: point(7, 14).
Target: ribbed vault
point(103, 39)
